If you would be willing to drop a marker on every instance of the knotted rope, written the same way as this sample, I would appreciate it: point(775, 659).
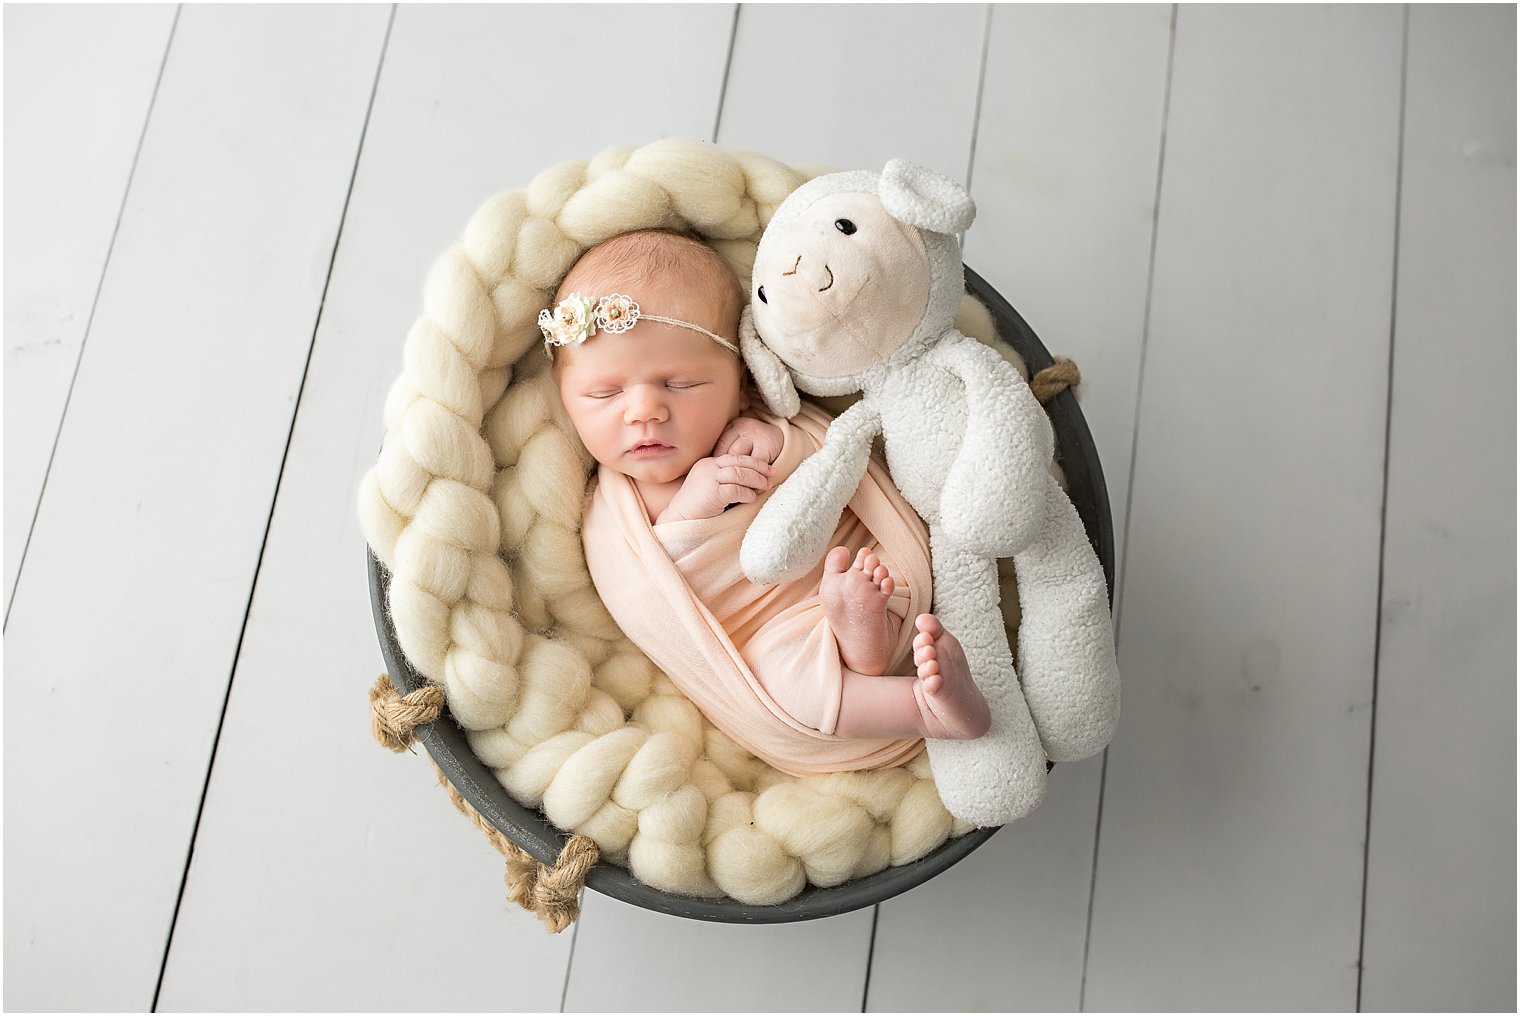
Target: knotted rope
point(553, 893)
point(394, 718)
point(1055, 379)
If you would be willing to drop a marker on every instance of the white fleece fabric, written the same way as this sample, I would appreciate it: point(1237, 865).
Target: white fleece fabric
point(833, 299)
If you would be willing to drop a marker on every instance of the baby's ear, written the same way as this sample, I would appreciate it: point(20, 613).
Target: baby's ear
point(771, 376)
point(923, 198)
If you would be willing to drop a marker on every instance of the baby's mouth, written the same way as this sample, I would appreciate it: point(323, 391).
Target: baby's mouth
point(649, 446)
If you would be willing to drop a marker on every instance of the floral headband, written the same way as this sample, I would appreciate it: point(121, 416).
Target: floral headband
point(577, 319)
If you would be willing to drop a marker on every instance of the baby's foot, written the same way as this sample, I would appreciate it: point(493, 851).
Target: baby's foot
point(951, 704)
point(855, 602)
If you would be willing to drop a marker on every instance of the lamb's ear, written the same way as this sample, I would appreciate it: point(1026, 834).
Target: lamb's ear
point(926, 199)
point(770, 374)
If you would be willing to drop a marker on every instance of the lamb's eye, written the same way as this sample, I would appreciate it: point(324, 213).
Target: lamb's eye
point(761, 294)
point(845, 226)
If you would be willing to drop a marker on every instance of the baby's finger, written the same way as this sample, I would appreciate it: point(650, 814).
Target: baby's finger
point(744, 474)
point(742, 445)
point(733, 493)
point(748, 461)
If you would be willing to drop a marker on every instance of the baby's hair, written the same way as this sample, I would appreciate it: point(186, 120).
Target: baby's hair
point(627, 261)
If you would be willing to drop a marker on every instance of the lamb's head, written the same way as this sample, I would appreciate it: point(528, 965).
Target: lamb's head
point(859, 271)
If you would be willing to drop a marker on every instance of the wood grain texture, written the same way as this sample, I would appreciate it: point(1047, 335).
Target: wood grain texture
point(342, 878)
point(1065, 182)
point(1005, 930)
point(1440, 932)
point(847, 86)
point(1229, 864)
point(127, 624)
point(632, 960)
point(78, 84)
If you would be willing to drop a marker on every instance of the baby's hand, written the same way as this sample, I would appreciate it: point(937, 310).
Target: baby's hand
point(748, 436)
point(715, 483)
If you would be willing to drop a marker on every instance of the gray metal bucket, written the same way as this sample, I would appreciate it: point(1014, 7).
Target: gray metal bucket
point(530, 830)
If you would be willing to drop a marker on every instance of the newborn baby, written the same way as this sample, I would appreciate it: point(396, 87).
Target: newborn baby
point(812, 675)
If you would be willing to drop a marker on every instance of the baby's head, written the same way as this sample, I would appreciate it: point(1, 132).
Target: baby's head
point(649, 399)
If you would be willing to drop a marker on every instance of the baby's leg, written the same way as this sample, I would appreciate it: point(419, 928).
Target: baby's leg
point(941, 702)
point(854, 600)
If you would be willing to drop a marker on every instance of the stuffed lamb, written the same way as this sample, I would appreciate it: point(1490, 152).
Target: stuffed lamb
point(856, 283)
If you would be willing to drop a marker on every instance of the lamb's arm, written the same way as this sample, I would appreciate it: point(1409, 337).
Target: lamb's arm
point(791, 532)
point(993, 494)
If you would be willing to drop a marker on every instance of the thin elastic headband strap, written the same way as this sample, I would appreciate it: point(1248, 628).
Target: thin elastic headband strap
point(720, 340)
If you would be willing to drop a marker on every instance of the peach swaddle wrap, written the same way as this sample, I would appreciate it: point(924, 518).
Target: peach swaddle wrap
point(760, 662)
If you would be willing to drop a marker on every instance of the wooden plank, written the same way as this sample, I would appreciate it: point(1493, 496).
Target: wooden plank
point(820, 110)
point(78, 84)
point(359, 860)
point(1230, 859)
point(122, 637)
point(1440, 926)
point(837, 85)
point(1065, 181)
point(1004, 930)
point(631, 960)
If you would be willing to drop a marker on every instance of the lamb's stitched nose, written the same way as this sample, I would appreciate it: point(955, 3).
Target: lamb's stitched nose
point(794, 266)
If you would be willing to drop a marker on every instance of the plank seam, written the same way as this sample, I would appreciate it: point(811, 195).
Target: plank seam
point(728, 65)
point(981, 87)
point(105, 267)
point(1134, 451)
point(1377, 640)
point(865, 994)
point(575, 933)
point(269, 521)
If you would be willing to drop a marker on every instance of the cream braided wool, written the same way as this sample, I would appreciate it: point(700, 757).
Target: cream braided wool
point(475, 504)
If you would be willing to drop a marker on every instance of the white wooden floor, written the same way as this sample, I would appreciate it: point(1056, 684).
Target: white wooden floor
point(1279, 241)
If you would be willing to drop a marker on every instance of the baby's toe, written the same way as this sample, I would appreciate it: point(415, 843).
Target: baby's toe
point(838, 559)
point(887, 585)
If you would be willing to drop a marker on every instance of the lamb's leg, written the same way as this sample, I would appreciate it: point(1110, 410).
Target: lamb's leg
point(1000, 776)
point(1066, 636)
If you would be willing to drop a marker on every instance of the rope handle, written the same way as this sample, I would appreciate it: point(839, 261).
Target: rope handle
point(1055, 379)
point(553, 893)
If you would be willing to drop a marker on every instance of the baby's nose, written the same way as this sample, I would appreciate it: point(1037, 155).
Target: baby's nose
point(645, 403)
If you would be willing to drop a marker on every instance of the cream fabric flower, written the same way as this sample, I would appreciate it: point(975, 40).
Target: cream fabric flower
point(571, 323)
point(616, 313)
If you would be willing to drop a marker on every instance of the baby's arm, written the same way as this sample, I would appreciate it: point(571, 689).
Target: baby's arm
point(714, 483)
point(748, 436)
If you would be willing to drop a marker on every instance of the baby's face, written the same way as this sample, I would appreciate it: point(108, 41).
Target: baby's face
point(651, 402)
